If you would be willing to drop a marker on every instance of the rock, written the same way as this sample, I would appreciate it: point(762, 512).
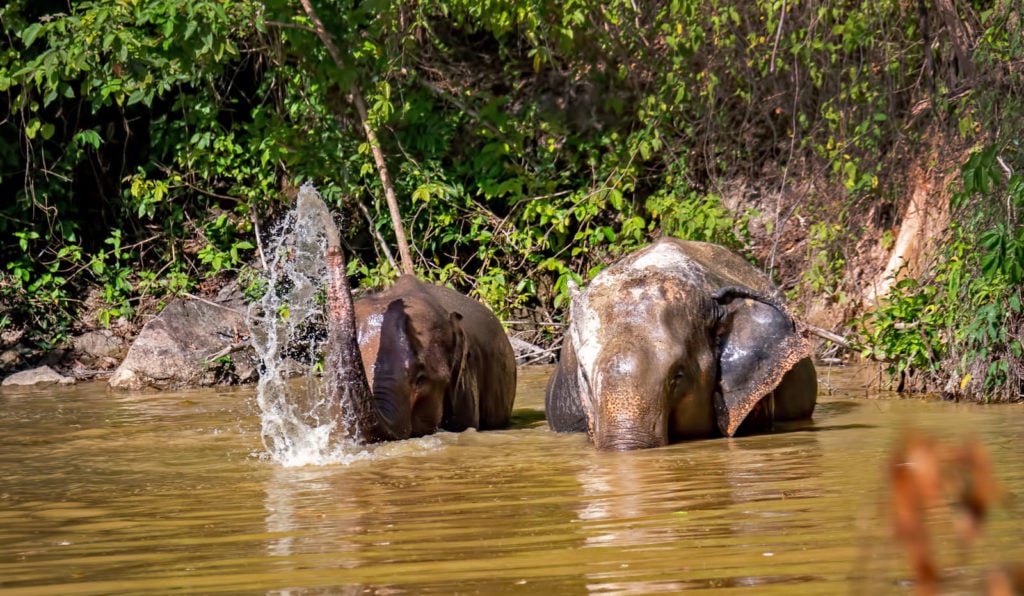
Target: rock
point(9, 359)
point(54, 357)
point(191, 343)
point(9, 337)
point(37, 376)
point(94, 346)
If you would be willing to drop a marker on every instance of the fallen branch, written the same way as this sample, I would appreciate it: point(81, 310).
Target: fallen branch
point(228, 349)
point(841, 341)
point(527, 353)
point(828, 335)
point(84, 374)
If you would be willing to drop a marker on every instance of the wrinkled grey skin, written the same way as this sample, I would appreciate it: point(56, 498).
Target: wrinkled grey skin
point(434, 359)
point(678, 340)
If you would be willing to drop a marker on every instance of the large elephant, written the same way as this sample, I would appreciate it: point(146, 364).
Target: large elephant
point(678, 340)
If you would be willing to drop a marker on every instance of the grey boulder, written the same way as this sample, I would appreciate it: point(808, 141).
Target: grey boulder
point(191, 343)
point(37, 376)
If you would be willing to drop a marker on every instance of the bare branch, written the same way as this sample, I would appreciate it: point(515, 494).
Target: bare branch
point(211, 303)
point(376, 234)
point(371, 138)
point(778, 34)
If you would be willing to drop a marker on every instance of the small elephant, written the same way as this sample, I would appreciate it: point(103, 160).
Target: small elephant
point(413, 358)
point(434, 358)
point(678, 340)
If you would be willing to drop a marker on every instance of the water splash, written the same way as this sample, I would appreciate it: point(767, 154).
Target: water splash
point(300, 424)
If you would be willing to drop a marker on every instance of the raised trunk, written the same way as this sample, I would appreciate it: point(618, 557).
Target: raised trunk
point(344, 374)
point(343, 366)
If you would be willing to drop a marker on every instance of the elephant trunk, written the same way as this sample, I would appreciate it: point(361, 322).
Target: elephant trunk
point(626, 415)
point(621, 441)
point(344, 373)
point(626, 422)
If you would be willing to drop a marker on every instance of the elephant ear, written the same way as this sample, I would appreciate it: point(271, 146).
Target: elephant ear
point(461, 399)
point(758, 345)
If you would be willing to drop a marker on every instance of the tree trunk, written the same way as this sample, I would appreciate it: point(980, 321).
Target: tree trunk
point(961, 40)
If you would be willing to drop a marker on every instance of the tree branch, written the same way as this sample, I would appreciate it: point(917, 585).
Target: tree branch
point(371, 138)
point(376, 234)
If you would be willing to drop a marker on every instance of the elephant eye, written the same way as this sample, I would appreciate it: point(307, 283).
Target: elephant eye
point(421, 378)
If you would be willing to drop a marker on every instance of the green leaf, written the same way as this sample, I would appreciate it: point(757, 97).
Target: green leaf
point(615, 199)
point(136, 96)
point(32, 128)
point(88, 137)
point(29, 34)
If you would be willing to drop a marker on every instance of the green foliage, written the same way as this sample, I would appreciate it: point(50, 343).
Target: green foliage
point(908, 329)
point(144, 144)
point(825, 259)
point(112, 270)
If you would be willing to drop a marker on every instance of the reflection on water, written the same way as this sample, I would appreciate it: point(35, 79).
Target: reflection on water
point(110, 493)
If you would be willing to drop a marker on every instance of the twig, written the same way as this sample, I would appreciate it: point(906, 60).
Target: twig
point(529, 353)
point(289, 26)
point(532, 323)
point(541, 357)
point(828, 335)
point(83, 373)
point(211, 303)
point(1011, 216)
point(376, 234)
point(778, 34)
point(839, 340)
point(228, 349)
point(779, 220)
point(259, 242)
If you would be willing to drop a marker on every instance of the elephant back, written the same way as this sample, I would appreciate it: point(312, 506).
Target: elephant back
point(724, 268)
point(490, 353)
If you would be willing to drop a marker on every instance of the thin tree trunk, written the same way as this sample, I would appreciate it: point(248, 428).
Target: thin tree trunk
point(961, 39)
point(371, 138)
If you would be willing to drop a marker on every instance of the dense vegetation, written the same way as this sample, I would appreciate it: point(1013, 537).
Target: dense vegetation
point(146, 144)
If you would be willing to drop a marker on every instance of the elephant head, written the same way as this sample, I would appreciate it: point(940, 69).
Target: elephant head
point(679, 340)
point(415, 355)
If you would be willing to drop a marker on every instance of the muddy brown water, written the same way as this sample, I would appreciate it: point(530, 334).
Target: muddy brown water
point(105, 492)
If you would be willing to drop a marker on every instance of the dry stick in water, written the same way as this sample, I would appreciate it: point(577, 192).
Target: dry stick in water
point(923, 474)
point(371, 137)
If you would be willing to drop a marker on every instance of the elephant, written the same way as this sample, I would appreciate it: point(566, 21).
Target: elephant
point(413, 358)
point(679, 340)
point(434, 358)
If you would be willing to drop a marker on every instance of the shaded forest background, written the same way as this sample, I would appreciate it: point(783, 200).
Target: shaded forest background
point(867, 155)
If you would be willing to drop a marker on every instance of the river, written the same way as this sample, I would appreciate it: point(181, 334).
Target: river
point(105, 492)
